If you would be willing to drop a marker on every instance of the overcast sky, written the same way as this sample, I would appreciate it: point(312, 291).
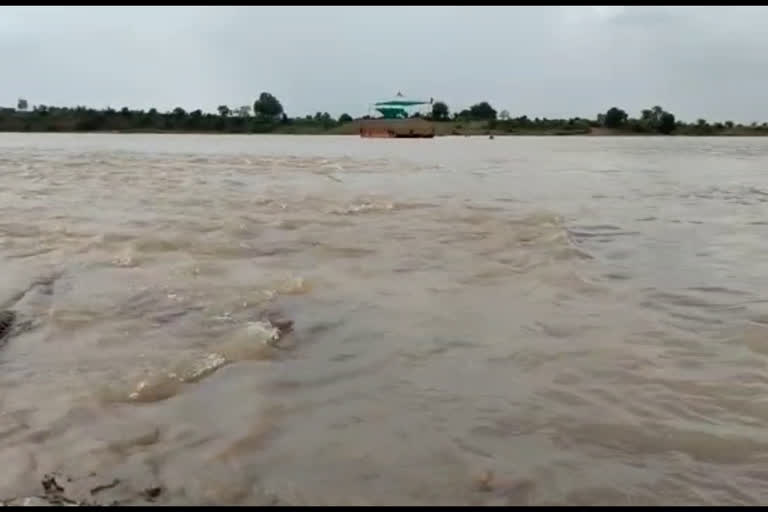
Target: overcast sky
point(548, 61)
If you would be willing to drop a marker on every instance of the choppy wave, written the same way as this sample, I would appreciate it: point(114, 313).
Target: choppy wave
point(256, 342)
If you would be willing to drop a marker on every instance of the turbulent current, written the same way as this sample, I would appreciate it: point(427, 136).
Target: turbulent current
point(335, 320)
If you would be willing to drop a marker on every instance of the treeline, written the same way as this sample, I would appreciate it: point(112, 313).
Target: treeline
point(654, 120)
point(266, 115)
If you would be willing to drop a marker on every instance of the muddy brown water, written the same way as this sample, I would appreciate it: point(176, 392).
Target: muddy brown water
point(520, 320)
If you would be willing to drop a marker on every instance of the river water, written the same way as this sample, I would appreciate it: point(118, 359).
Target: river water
point(527, 320)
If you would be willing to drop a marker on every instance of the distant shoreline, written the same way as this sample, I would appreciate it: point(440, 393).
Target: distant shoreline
point(480, 120)
point(594, 132)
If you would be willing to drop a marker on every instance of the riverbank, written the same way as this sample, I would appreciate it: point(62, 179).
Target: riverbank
point(267, 116)
point(446, 128)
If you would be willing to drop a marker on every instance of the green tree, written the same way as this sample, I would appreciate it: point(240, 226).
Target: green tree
point(702, 126)
point(267, 106)
point(223, 110)
point(345, 118)
point(440, 111)
point(22, 104)
point(464, 114)
point(667, 123)
point(729, 124)
point(615, 117)
point(482, 110)
point(145, 121)
point(237, 125)
point(327, 120)
point(195, 119)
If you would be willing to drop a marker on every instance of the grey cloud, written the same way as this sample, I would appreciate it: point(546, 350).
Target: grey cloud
point(540, 61)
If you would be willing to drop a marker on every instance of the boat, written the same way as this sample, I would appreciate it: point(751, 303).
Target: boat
point(396, 122)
